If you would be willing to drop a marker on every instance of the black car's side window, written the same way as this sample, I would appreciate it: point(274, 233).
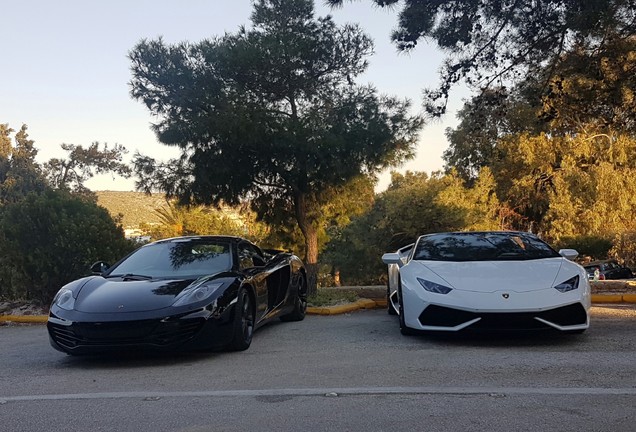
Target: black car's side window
point(245, 258)
point(249, 256)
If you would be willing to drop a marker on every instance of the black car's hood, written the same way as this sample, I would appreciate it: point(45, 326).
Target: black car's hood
point(103, 295)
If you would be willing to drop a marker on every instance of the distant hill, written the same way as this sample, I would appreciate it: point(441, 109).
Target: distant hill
point(136, 207)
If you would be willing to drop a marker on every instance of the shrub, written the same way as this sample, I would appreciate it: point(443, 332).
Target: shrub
point(624, 249)
point(597, 248)
point(50, 239)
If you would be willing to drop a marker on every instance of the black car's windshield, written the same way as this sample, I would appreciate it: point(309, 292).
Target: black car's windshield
point(496, 246)
point(177, 258)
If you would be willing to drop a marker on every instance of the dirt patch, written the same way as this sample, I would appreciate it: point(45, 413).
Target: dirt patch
point(22, 308)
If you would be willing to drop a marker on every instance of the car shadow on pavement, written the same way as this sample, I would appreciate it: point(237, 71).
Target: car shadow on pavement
point(138, 359)
point(499, 339)
point(135, 358)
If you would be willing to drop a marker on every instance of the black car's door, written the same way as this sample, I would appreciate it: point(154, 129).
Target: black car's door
point(250, 266)
point(270, 278)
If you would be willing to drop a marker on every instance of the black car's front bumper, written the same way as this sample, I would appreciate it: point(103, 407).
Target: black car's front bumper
point(79, 333)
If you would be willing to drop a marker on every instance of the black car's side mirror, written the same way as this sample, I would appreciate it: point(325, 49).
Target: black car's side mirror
point(99, 267)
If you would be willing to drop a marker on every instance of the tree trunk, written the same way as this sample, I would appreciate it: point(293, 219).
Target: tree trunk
point(311, 261)
point(310, 232)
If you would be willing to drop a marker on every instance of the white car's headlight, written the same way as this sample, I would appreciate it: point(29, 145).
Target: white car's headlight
point(64, 299)
point(434, 287)
point(197, 293)
point(568, 285)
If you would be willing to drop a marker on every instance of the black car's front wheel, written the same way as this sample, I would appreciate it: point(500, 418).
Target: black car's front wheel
point(300, 302)
point(243, 322)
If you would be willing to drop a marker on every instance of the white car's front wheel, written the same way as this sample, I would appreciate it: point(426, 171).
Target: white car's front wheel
point(404, 329)
point(389, 304)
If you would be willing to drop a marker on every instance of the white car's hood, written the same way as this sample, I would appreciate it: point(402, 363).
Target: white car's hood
point(492, 276)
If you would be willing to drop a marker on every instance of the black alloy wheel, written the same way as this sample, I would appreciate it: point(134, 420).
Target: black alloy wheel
point(300, 302)
point(243, 322)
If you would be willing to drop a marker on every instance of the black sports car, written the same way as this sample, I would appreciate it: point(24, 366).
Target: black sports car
point(203, 292)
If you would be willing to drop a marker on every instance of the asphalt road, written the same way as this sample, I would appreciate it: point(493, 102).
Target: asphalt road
point(350, 372)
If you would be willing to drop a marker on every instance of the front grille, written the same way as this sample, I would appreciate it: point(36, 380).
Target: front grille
point(440, 316)
point(573, 314)
point(63, 335)
point(125, 334)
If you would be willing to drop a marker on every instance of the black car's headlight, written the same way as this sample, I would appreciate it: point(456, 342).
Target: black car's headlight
point(568, 285)
point(434, 287)
point(64, 299)
point(197, 293)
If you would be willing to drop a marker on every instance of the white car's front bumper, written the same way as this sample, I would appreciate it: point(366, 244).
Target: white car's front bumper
point(502, 309)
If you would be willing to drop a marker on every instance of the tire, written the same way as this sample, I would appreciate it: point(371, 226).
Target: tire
point(300, 302)
point(404, 329)
point(243, 326)
point(389, 306)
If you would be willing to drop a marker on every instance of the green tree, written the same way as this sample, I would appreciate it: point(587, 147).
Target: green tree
point(271, 114)
point(340, 205)
point(566, 186)
point(589, 247)
point(50, 239)
point(587, 93)
point(593, 92)
point(597, 199)
point(484, 120)
point(478, 202)
point(624, 248)
point(19, 172)
point(82, 164)
point(414, 204)
point(493, 41)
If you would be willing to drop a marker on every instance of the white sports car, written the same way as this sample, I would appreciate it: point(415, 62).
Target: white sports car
point(499, 280)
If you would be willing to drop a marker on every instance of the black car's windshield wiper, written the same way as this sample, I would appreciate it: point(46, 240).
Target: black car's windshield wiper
point(131, 276)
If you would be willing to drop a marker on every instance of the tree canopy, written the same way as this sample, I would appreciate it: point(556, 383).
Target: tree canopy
point(495, 42)
point(415, 203)
point(271, 113)
point(82, 164)
point(49, 237)
point(19, 172)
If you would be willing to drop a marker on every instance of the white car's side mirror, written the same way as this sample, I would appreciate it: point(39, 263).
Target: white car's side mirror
point(392, 258)
point(570, 254)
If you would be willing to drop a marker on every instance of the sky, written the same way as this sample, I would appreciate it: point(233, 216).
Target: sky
point(64, 70)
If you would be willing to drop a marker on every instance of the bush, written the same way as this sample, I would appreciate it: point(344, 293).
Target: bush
point(331, 297)
point(50, 239)
point(597, 248)
point(624, 249)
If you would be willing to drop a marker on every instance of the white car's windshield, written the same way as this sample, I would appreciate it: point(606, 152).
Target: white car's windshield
point(482, 246)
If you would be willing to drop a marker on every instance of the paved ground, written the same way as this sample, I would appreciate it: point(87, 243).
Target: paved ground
point(347, 372)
